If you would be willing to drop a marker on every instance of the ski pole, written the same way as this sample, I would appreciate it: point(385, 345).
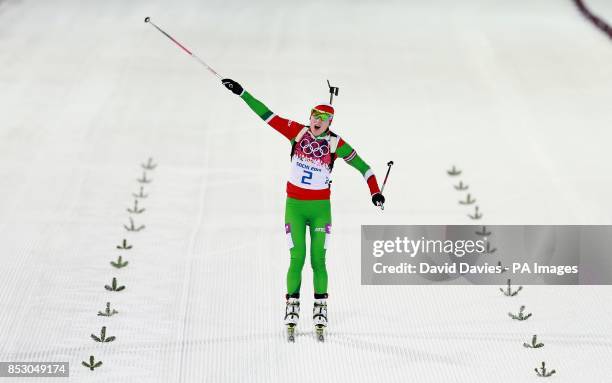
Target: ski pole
point(148, 20)
point(389, 164)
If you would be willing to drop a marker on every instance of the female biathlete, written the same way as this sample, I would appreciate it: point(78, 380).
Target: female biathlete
point(313, 151)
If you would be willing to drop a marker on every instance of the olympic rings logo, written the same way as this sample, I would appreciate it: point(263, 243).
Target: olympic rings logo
point(314, 147)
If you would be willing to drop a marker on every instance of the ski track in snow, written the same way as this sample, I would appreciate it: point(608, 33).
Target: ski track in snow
point(515, 93)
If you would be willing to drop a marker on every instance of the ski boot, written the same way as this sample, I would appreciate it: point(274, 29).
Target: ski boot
point(319, 316)
point(292, 315)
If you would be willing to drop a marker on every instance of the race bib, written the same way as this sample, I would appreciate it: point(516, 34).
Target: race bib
point(310, 165)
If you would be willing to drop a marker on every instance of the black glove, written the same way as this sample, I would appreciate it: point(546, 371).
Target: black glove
point(378, 199)
point(232, 85)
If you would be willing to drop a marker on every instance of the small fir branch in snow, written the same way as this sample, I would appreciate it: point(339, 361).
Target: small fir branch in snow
point(468, 200)
point(113, 286)
point(124, 245)
point(119, 263)
point(149, 165)
point(542, 371)
point(102, 338)
point(508, 291)
point(132, 227)
point(476, 215)
point(140, 194)
point(453, 171)
point(461, 186)
point(521, 316)
point(534, 343)
point(135, 209)
point(107, 312)
point(144, 179)
point(92, 363)
point(483, 232)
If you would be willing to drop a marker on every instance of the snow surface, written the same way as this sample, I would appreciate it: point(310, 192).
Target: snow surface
point(515, 93)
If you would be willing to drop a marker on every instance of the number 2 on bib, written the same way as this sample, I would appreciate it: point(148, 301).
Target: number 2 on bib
point(306, 177)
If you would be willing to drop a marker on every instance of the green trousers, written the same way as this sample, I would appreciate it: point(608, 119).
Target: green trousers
point(316, 214)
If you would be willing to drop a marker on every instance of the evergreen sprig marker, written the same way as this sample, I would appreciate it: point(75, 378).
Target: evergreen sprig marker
point(453, 171)
point(124, 245)
point(489, 249)
point(92, 363)
point(140, 194)
point(483, 232)
point(534, 343)
point(468, 200)
point(504, 269)
point(135, 209)
point(114, 286)
point(144, 179)
point(119, 263)
point(107, 312)
point(102, 338)
point(521, 316)
point(149, 165)
point(542, 371)
point(461, 186)
point(476, 215)
point(132, 227)
point(508, 292)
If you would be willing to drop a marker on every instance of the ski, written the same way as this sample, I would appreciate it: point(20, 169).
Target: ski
point(319, 318)
point(292, 315)
point(320, 332)
point(291, 333)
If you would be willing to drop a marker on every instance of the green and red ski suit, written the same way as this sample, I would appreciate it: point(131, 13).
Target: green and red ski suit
point(308, 192)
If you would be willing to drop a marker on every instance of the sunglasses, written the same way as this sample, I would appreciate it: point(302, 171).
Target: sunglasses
point(319, 115)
